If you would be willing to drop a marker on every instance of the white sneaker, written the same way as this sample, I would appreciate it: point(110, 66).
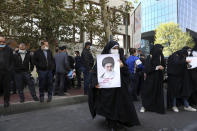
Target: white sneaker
point(142, 110)
point(189, 108)
point(175, 109)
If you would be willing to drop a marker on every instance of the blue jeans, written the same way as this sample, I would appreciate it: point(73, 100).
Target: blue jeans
point(45, 82)
point(86, 77)
point(21, 79)
point(186, 103)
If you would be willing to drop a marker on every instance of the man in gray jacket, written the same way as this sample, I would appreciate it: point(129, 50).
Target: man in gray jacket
point(62, 67)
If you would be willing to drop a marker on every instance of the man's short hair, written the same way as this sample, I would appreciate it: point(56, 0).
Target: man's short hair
point(62, 48)
point(88, 43)
point(107, 60)
point(42, 42)
point(132, 51)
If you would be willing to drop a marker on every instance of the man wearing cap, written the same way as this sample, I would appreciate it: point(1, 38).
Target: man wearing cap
point(87, 62)
point(62, 67)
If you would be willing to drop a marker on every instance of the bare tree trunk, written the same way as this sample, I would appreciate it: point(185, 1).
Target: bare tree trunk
point(105, 16)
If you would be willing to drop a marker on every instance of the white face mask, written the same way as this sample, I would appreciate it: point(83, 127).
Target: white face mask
point(22, 51)
point(189, 52)
point(2, 46)
point(114, 51)
point(46, 48)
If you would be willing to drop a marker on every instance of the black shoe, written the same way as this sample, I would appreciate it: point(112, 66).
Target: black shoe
point(22, 100)
point(41, 100)
point(49, 99)
point(35, 98)
point(6, 104)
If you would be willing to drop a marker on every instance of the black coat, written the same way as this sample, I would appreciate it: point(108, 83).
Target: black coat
point(42, 63)
point(26, 65)
point(6, 62)
point(87, 59)
point(113, 103)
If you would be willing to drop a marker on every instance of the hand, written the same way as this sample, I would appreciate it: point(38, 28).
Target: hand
point(121, 64)
point(161, 67)
point(188, 61)
point(97, 86)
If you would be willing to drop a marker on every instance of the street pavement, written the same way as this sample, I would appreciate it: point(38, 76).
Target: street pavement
point(77, 118)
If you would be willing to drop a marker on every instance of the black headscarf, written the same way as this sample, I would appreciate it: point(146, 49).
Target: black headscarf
point(157, 55)
point(195, 48)
point(109, 45)
point(182, 52)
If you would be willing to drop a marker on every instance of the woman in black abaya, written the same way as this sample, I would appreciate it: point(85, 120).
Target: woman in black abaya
point(152, 91)
point(113, 103)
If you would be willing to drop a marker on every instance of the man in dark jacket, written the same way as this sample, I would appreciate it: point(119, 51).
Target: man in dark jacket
point(62, 67)
point(22, 75)
point(6, 67)
point(45, 64)
point(78, 68)
point(87, 62)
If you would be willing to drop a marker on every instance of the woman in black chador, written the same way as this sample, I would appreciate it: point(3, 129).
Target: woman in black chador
point(113, 103)
point(179, 83)
point(152, 91)
point(193, 75)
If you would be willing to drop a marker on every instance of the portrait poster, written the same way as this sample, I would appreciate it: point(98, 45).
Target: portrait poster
point(108, 70)
point(193, 62)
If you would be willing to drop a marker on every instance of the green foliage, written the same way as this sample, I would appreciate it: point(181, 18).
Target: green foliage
point(30, 21)
point(172, 38)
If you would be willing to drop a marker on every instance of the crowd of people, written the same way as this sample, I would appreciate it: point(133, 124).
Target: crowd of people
point(141, 77)
point(56, 73)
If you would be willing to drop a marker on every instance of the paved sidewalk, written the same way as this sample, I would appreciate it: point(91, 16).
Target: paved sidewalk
point(14, 98)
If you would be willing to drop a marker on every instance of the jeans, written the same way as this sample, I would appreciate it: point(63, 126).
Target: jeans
point(186, 103)
point(21, 79)
point(45, 81)
point(59, 83)
point(86, 75)
point(5, 80)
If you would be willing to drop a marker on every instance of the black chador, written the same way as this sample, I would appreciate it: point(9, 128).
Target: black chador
point(152, 91)
point(113, 103)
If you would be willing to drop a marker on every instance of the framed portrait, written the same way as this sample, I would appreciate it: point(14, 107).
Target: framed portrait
point(108, 71)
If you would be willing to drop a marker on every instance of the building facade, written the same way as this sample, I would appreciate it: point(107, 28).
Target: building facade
point(155, 12)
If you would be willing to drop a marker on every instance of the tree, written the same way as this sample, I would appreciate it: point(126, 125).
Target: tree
point(31, 21)
point(172, 38)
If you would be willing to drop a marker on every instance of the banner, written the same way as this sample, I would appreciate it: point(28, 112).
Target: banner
point(137, 27)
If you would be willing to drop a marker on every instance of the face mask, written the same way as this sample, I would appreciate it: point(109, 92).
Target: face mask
point(22, 51)
point(46, 48)
point(114, 51)
point(2, 46)
point(189, 52)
